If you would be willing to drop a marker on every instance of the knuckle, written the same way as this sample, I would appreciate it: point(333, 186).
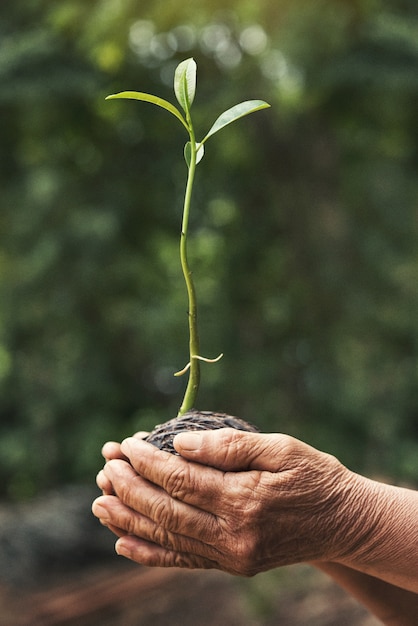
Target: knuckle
point(161, 510)
point(129, 523)
point(235, 445)
point(241, 542)
point(162, 537)
point(164, 515)
point(124, 491)
point(248, 551)
point(182, 560)
point(177, 482)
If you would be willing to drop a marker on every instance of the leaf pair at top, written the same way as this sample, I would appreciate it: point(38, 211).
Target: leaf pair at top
point(185, 90)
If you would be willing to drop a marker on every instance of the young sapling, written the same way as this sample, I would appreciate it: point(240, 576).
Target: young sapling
point(185, 90)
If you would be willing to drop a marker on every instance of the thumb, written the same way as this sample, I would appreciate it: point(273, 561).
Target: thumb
point(228, 449)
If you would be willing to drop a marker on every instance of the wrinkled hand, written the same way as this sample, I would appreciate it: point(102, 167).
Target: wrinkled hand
point(235, 501)
point(112, 450)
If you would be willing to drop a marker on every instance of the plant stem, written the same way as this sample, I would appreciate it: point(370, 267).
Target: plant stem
point(194, 373)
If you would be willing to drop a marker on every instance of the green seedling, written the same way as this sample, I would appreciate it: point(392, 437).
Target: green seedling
point(185, 89)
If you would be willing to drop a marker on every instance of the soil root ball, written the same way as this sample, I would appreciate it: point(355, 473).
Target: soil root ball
point(163, 434)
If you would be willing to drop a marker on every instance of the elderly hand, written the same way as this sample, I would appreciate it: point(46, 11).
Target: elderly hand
point(112, 450)
point(235, 501)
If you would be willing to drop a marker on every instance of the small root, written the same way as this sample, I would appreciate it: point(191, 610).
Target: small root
point(200, 358)
point(183, 371)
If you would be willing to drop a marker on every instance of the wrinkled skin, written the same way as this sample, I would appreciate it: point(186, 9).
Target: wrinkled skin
point(266, 501)
point(245, 503)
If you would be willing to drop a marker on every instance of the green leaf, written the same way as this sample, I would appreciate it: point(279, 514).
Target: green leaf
point(185, 83)
point(235, 113)
point(146, 97)
point(188, 153)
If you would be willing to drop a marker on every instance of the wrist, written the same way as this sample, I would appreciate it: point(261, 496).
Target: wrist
point(359, 514)
point(380, 533)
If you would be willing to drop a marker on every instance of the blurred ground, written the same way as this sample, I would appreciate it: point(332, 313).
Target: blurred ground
point(135, 596)
point(58, 568)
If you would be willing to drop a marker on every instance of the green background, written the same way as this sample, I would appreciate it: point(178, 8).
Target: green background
point(304, 229)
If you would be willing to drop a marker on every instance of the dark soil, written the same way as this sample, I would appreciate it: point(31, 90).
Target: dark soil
point(163, 434)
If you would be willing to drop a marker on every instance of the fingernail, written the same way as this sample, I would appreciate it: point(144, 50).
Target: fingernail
point(121, 550)
point(100, 512)
point(189, 441)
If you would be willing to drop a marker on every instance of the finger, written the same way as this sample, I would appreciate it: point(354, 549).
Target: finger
point(141, 434)
point(149, 500)
point(112, 511)
point(151, 555)
point(111, 450)
point(235, 450)
point(104, 519)
point(119, 532)
point(104, 483)
point(188, 482)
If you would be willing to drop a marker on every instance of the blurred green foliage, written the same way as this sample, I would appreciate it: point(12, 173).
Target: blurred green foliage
point(305, 230)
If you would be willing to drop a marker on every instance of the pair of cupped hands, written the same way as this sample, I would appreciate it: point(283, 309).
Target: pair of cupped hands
point(232, 500)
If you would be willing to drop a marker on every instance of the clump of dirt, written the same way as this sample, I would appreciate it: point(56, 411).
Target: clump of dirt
point(163, 434)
